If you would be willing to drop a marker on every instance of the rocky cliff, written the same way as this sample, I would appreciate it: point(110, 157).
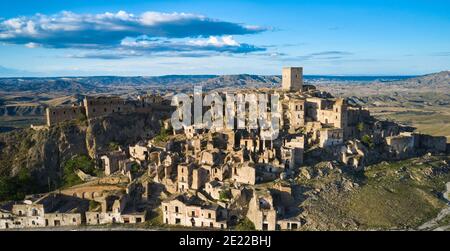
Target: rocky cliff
point(43, 153)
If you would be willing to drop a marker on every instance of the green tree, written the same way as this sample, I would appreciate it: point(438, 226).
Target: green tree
point(16, 187)
point(83, 163)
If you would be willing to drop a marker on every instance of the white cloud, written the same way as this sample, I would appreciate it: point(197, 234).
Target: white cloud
point(215, 41)
point(71, 30)
point(32, 45)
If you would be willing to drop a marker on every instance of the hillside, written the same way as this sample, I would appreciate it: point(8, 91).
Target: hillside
point(430, 80)
point(41, 155)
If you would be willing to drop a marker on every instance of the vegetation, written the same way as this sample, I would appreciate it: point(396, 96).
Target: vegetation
point(16, 187)
point(134, 169)
point(14, 148)
point(94, 205)
point(83, 163)
point(367, 141)
point(113, 146)
point(400, 194)
point(155, 218)
point(360, 127)
point(163, 136)
point(224, 195)
point(245, 225)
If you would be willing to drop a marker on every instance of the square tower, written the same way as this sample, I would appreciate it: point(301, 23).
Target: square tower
point(292, 79)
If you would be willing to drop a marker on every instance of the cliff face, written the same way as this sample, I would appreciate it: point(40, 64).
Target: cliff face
point(40, 152)
point(121, 129)
point(43, 153)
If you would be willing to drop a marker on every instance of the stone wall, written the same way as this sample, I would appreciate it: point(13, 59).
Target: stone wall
point(55, 115)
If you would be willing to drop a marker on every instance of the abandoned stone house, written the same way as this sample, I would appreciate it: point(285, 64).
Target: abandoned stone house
point(112, 161)
point(214, 188)
point(45, 211)
point(331, 137)
point(272, 210)
point(407, 144)
point(192, 212)
point(140, 152)
point(115, 209)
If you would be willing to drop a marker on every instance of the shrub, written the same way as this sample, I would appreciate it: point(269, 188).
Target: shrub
point(225, 195)
point(84, 163)
point(360, 127)
point(245, 225)
point(162, 136)
point(16, 187)
point(113, 146)
point(367, 141)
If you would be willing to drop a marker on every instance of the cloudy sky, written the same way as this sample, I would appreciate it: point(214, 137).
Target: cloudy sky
point(112, 37)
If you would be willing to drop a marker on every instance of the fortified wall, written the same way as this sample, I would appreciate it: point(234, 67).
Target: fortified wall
point(93, 107)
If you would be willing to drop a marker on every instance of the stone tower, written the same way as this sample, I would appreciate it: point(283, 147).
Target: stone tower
point(292, 79)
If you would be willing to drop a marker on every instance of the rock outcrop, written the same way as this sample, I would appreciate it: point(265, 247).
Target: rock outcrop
point(44, 152)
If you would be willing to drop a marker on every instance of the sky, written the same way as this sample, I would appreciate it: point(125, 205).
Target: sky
point(148, 38)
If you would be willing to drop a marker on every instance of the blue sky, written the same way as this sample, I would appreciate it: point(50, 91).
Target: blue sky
point(99, 37)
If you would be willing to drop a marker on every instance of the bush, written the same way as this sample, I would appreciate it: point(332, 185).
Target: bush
point(84, 163)
point(224, 195)
point(360, 127)
point(15, 188)
point(113, 146)
point(155, 218)
point(134, 169)
point(93, 205)
point(367, 141)
point(245, 225)
point(162, 136)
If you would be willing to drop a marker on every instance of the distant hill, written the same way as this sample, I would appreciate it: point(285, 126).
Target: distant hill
point(435, 79)
point(105, 84)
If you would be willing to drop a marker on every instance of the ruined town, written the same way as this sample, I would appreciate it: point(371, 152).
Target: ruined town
point(215, 179)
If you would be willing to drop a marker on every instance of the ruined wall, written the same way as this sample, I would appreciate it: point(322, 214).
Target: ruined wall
point(102, 106)
point(55, 115)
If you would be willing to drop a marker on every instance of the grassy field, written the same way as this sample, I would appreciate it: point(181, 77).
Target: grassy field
point(395, 195)
point(401, 194)
point(429, 120)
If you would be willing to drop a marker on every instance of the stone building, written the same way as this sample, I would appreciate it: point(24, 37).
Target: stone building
point(192, 212)
point(244, 173)
point(292, 152)
point(102, 106)
point(408, 144)
point(111, 161)
point(296, 113)
point(140, 152)
point(49, 210)
point(115, 209)
point(55, 115)
point(292, 79)
point(268, 211)
point(331, 137)
point(214, 188)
